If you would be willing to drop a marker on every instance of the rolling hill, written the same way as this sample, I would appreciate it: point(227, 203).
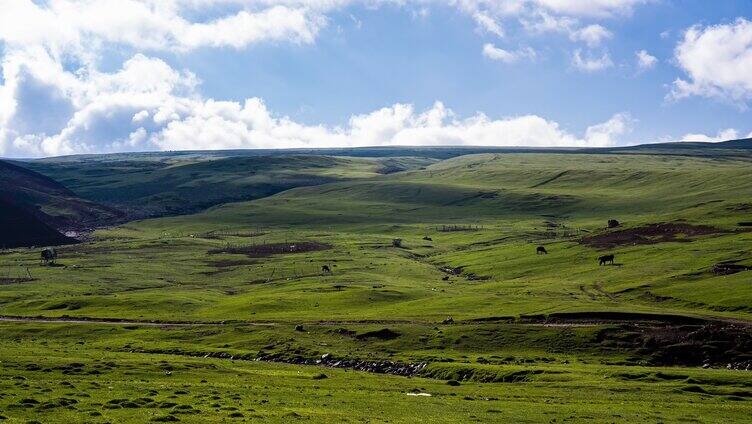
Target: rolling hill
point(20, 228)
point(39, 208)
point(158, 184)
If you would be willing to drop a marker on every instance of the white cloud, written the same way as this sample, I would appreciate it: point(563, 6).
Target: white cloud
point(140, 116)
point(47, 108)
point(591, 63)
point(488, 24)
point(606, 133)
point(540, 22)
point(148, 105)
point(83, 27)
point(230, 125)
point(591, 8)
point(722, 135)
point(494, 53)
point(717, 60)
point(592, 35)
point(79, 26)
point(572, 8)
point(645, 60)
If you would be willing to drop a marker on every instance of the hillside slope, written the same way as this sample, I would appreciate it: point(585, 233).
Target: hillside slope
point(490, 187)
point(150, 185)
point(50, 202)
point(19, 228)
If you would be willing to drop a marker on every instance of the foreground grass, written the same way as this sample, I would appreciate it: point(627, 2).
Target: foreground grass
point(65, 373)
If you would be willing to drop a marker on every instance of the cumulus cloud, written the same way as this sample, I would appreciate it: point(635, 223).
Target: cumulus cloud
point(55, 99)
point(148, 105)
point(606, 133)
point(587, 63)
point(722, 135)
point(645, 60)
point(592, 35)
point(78, 26)
point(494, 53)
point(717, 60)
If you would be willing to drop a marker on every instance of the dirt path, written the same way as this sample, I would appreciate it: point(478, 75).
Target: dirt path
point(558, 319)
point(116, 321)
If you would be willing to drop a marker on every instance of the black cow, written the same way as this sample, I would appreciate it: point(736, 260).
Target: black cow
point(602, 260)
point(326, 269)
point(541, 251)
point(48, 255)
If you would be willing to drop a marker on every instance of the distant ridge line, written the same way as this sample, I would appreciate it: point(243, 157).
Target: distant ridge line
point(438, 152)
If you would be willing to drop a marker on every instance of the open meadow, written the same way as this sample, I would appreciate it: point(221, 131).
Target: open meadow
point(415, 294)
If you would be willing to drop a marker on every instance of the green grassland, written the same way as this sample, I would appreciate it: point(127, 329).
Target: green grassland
point(57, 373)
point(148, 185)
point(485, 275)
point(155, 268)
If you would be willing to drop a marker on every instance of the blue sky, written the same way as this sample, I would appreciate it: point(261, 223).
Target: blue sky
point(124, 75)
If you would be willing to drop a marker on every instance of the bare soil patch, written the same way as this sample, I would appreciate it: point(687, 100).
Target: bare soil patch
point(728, 268)
point(383, 334)
point(264, 250)
point(649, 234)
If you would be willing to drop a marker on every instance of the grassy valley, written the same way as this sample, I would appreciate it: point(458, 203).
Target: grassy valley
point(329, 287)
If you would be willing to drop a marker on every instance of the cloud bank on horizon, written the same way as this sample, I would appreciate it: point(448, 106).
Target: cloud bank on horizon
point(90, 76)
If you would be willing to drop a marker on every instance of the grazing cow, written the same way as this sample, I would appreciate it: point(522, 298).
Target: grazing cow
point(612, 223)
point(602, 260)
point(541, 251)
point(326, 269)
point(48, 255)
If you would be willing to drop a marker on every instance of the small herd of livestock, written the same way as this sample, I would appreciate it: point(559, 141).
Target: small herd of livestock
point(49, 255)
